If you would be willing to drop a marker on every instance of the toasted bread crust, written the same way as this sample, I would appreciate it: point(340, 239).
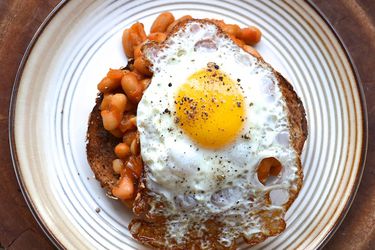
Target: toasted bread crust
point(296, 114)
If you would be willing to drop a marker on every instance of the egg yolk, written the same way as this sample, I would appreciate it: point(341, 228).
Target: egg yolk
point(210, 108)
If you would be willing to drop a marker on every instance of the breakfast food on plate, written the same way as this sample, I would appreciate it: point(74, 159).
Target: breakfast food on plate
point(198, 135)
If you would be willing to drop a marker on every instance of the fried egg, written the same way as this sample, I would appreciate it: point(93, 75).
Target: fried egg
point(211, 114)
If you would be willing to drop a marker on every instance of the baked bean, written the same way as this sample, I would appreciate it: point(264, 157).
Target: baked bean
point(111, 119)
point(115, 74)
point(268, 166)
point(133, 37)
point(232, 29)
point(145, 82)
point(138, 28)
point(124, 189)
point(251, 50)
point(107, 84)
point(129, 137)
point(127, 123)
point(157, 37)
point(106, 102)
point(141, 65)
point(134, 146)
point(137, 51)
point(132, 87)
point(127, 44)
point(183, 18)
point(129, 82)
point(118, 102)
point(250, 35)
point(122, 150)
point(162, 22)
point(117, 165)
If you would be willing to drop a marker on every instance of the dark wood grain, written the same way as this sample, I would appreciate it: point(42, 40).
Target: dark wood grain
point(19, 21)
point(354, 20)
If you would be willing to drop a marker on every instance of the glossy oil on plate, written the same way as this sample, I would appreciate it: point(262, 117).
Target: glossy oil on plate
point(81, 40)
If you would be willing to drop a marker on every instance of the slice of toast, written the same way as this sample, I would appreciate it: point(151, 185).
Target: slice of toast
point(151, 231)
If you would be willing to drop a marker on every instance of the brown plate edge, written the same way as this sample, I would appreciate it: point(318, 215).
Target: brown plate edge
point(358, 178)
point(38, 217)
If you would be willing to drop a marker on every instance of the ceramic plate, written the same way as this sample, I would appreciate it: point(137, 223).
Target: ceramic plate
point(56, 89)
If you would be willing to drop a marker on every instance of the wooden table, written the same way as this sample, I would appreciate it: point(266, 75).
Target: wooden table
point(354, 20)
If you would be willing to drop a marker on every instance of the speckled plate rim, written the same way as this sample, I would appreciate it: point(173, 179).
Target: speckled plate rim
point(362, 163)
point(39, 218)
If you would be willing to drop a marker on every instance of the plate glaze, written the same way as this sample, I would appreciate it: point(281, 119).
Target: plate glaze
point(56, 90)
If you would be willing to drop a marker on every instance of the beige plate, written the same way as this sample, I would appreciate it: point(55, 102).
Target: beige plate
point(56, 88)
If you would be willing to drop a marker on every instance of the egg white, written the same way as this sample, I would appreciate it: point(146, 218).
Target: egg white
point(205, 181)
